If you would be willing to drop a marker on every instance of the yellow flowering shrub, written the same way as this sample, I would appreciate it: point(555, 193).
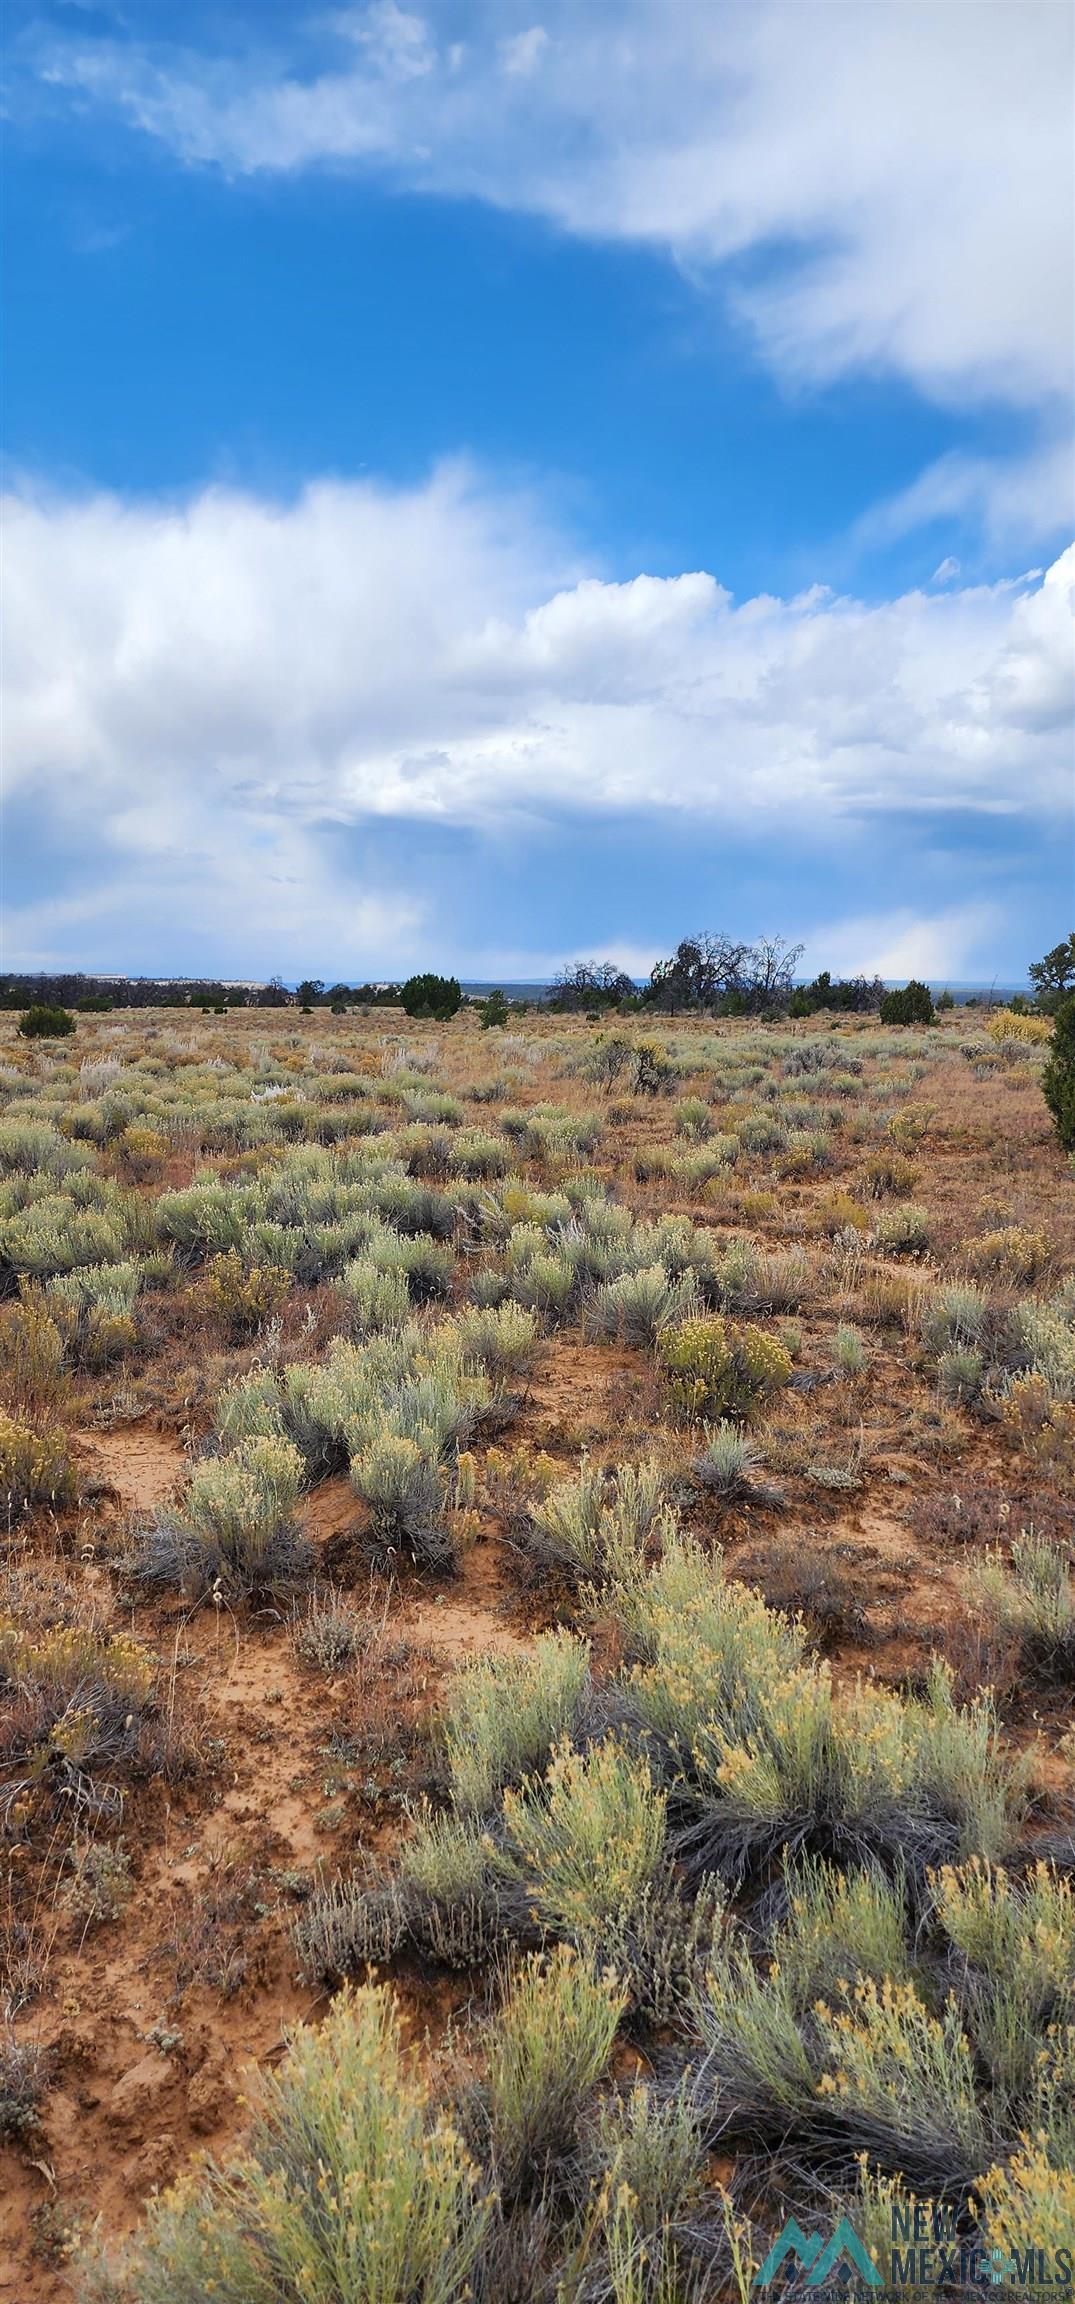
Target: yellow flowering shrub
point(35, 1468)
point(716, 1368)
point(1007, 1024)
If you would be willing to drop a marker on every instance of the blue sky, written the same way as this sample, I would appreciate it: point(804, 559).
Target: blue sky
point(494, 484)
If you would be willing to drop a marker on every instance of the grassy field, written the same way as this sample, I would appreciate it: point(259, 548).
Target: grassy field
point(536, 1653)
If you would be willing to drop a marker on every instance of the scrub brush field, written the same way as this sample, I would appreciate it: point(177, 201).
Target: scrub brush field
point(537, 1644)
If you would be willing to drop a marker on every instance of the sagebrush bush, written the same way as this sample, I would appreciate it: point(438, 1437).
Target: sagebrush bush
point(31, 1359)
point(1018, 1940)
point(504, 1714)
point(503, 1338)
point(406, 1490)
point(243, 1298)
point(902, 1231)
point(351, 2185)
point(1013, 1254)
point(584, 1841)
point(547, 2049)
point(954, 1317)
point(35, 1469)
point(727, 1460)
point(1032, 1599)
point(375, 1299)
point(1028, 2205)
point(849, 1350)
point(1006, 1024)
point(596, 1525)
point(24, 2071)
point(714, 1369)
point(839, 1925)
point(639, 1305)
point(235, 1530)
point(899, 2082)
point(77, 1709)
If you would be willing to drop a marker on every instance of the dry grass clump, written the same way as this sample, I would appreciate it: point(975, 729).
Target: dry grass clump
point(76, 1710)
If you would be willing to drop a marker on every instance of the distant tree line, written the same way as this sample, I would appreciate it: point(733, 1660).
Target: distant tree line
point(707, 974)
point(89, 994)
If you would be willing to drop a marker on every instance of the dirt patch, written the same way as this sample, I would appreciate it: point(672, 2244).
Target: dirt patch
point(470, 1616)
point(141, 1465)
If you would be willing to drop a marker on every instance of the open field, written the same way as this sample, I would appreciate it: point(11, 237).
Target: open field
point(577, 1519)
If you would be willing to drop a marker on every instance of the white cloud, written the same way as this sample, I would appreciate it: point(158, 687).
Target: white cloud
point(905, 171)
point(209, 694)
point(900, 944)
point(1014, 501)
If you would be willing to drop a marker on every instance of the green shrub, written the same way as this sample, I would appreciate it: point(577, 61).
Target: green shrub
point(405, 1488)
point(1032, 1601)
point(960, 1373)
point(1018, 1940)
point(899, 2083)
point(913, 1005)
point(596, 1526)
point(902, 1231)
point(756, 2079)
point(42, 1023)
point(714, 1369)
point(24, 2070)
point(636, 1307)
point(849, 1350)
point(584, 1842)
point(839, 1925)
point(953, 1317)
point(242, 1299)
point(503, 1338)
point(726, 1462)
point(375, 1299)
point(1058, 1077)
point(1028, 2205)
point(82, 1702)
point(429, 995)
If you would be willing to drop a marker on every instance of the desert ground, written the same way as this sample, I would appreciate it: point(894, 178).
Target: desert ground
point(544, 1552)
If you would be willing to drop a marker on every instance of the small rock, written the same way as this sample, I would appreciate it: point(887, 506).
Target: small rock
point(140, 2090)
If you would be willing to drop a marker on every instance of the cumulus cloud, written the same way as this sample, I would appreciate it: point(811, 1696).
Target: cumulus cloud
point(207, 693)
point(904, 174)
point(901, 944)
